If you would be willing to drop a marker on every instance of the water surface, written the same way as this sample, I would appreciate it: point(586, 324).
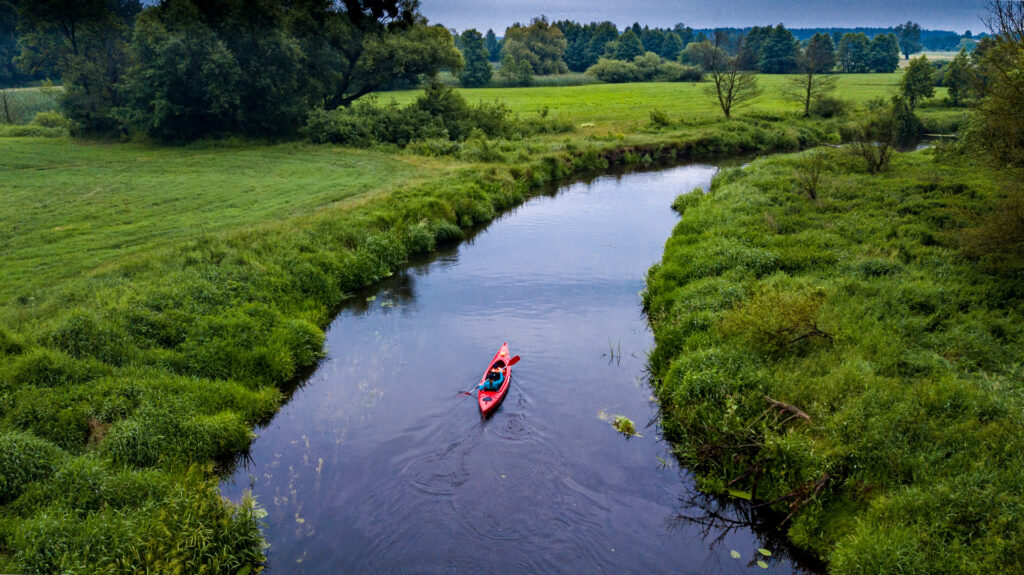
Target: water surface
point(376, 465)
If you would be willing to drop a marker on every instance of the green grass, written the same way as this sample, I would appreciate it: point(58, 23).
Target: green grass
point(155, 300)
point(72, 207)
point(626, 107)
point(853, 358)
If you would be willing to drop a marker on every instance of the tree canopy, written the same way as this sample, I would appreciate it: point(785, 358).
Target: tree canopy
point(918, 81)
point(909, 36)
point(477, 71)
point(540, 44)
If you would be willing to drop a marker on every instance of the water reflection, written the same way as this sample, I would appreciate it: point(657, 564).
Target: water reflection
point(377, 465)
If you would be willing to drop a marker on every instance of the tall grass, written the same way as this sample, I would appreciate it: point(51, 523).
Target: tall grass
point(846, 360)
point(19, 106)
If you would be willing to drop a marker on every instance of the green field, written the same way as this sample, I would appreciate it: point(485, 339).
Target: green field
point(72, 207)
point(156, 300)
point(626, 107)
point(77, 206)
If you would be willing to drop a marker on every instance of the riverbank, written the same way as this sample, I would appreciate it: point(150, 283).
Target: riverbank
point(852, 359)
point(124, 378)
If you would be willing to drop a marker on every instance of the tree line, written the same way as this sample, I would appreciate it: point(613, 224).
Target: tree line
point(599, 48)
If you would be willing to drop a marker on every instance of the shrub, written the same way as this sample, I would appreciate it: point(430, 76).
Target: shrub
point(647, 65)
point(51, 119)
point(676, 72)
point(437, 117)
point(615, 71)
point(516, 71)
point(659, 119)
point(777, 319)
point(828, 107)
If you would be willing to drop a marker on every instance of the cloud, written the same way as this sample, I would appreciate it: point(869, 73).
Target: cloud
point(932, 14)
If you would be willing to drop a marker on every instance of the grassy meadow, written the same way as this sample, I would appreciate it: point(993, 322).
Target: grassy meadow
point(73, 207)
point(155, 300)
point(625, 108)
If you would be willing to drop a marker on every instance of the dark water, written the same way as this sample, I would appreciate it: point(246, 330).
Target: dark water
point(377, 466)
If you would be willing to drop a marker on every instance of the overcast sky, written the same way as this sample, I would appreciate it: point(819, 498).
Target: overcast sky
point(958, 15)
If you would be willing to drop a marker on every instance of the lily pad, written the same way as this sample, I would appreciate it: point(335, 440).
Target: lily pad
point(765, 552)
point(762, 564)
point(734, 554)
point(371, 298)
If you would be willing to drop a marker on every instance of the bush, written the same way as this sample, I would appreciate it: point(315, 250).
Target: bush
point(659, 119)
point(437, 118)
point(648, 65)
point(615, 71)
point(777, 319)
point(676, 72)
point(51, 119)
point(828, 107)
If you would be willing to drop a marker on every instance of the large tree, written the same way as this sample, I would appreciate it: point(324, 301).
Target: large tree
point(885, 53)
point(355, 47)
point(918, 82)
point(730, 86)
point(271, 89)
point(493, 46)
point(959, 79)
point(1000, 86)
point(854, 53)
point(185, 83)
point(85, 43)
point(909, 36)
point(540, 44)
point(626, 48)
point(477, 71)
point(8, 43)
point(779, 53)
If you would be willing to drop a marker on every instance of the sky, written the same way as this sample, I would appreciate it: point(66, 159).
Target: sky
point(957, 15)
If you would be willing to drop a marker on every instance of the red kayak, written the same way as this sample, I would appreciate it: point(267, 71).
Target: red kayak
point(489, 400)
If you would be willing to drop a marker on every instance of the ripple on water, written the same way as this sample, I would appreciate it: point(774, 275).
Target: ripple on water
point(513, 427)
point(439, 473)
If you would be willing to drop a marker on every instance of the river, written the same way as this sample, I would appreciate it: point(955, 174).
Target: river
point(376, 465)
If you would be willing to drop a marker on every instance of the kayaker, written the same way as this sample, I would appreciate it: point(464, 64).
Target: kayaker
point(495, 376)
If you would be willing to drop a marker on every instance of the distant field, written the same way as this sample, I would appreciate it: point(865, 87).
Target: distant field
point(71, 207)
point(623, 107)
point(931, 56)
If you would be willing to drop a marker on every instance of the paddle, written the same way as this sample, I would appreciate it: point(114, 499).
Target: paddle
point(510, 363)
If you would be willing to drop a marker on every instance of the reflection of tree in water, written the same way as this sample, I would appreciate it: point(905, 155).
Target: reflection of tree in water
point(717, 517)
